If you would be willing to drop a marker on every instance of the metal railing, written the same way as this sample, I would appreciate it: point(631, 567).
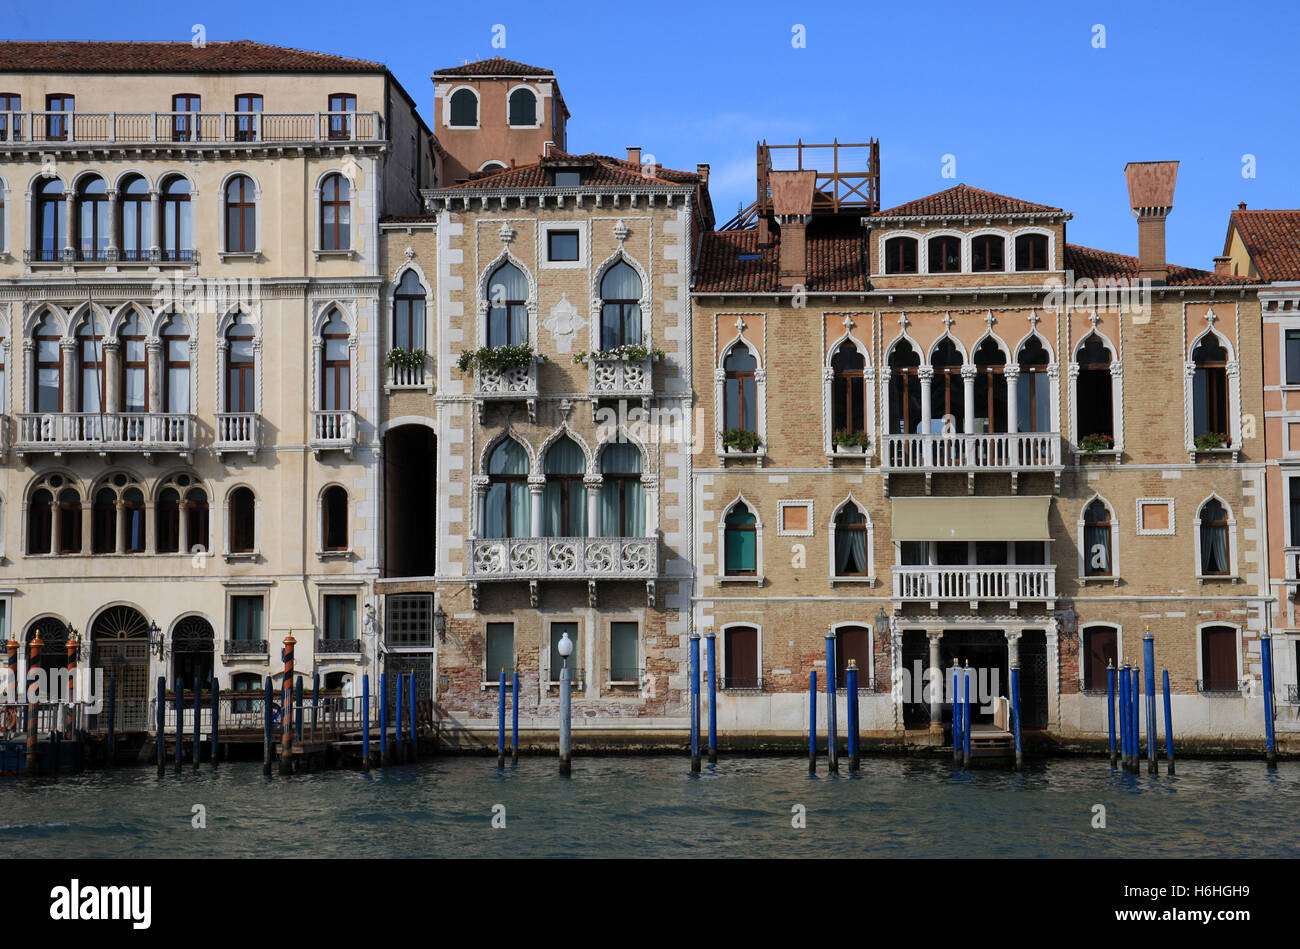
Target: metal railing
point(1025, 451)
point(974, 583)
point(742, 684)
point(1218, 687)
point(331, 717)
point(245, 647)
point(333, 428)
point(331, 646)
point(108, 431)
point(190, 128)
point(578, 558)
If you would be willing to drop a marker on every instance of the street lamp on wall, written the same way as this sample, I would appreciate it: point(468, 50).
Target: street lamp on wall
point(881, 623)
point(440, 623)
point(157, 645)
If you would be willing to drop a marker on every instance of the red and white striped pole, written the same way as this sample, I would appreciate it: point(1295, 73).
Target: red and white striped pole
point(11, 716)
point(286, 706)
point(33, 670)
point(72, 673)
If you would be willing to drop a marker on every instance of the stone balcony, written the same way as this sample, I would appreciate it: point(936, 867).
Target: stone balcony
point(619, 379)
point(512, 385)
point(975, 584)
point(58, 433)
point(333, 430)
point(1013, 453)
point(238, 431)
point(534, 559)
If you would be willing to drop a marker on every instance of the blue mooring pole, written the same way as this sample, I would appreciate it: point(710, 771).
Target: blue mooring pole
point(161, 723)
point(965, 721)
point(266, 726)
point(1125, 700)
point(501, 719)
point(111, 748)
point(297, 713)
point(1169, 726)
point(812, 722)
point(832, 726)
point(399, 737)
point(956, 713)
point(365, 721)
point(851, 689)
point(695, 701)
point(1266, 656)
point(1015, 712)
point(1136, 763)
point(1149, 657)
point(315, 701)
point(198, 704)
point(1110, 706)
point(514, 716)
point(216, 719)
point(383, 718)
point(711, 655)
point(180, 720)
point(410, 716)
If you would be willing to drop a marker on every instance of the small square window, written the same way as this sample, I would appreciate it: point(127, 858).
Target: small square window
point(568, 179)
point(562, 245)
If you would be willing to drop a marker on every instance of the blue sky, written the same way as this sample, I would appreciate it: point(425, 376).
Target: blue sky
point(1017, 92)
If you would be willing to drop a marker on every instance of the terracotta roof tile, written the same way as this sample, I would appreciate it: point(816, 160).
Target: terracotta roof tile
point(1273, 240)
point(964, 199)
point(606, 171)
point(17, 56)
point(1092, 263)
point(836, 261)
point(496, 66)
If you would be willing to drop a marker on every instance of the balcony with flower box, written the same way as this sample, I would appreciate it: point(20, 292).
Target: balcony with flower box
point(622, 374)
point(503, 374)
point(589, 559)
point(58, 433)
point(408, 370)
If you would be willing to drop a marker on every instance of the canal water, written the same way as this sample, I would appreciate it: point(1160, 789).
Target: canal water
point(653, 807)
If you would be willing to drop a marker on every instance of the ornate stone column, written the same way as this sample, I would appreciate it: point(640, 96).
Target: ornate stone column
point(936, 680)
point(968, 398)
point(29, 376)
point(1012, 375)
point(535, 486)
point(114, 223)
point(67, 352)
point(926, 375)
point(592, 483)
point(153, 355)
point(112, 375)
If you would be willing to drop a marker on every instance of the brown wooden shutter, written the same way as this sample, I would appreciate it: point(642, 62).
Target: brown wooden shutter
point(740, 670)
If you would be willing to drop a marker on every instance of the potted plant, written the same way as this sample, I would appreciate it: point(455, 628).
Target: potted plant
point(408, 359)
point(496, 359)
point(852, 443)
point(740, 441)
point(629, 352)
point(1208, 441)
point(1091, 444)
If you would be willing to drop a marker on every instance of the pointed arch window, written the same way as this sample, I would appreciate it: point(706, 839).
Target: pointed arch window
point(196, 519)
point(990, 387)
point(49, 236)
point(135, 364)
point(620, 312)
point(508, 307)
point(176, 365)
point(1097, 539)
point(168, 520)
point(241, 386)
point(1210, 389)
point(336, 213)
point(848, 389)
point(904, 389)
point(408, 313)
point(135, 230)
point(336, 364)
point(740, 542)
point(851, 547)
point(69, 539)
point(92, 219)
point(1216, 544)
point(564, 499)
point(104, 522)
point(1033, 388)
point(622, 495)
point(90, 367)
point(506, 508)
point(740, 393)
point(947, 391)
point(1094, 389)
point(48, 394)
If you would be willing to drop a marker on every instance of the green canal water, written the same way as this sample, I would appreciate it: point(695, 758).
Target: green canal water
point(654, 807)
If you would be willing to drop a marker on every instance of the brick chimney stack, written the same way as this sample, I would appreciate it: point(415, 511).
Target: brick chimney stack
point(1151, 196)
point(634, 154)
point(1222, 266)
point(792, 195)
point(702, 169)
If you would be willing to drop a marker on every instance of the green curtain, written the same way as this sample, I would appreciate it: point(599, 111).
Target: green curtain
point(507, 459)
point(564, 458)
point(625, 519)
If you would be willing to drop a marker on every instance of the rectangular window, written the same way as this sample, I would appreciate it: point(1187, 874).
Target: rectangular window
point(10, 122)
point(246, 618)
point(246, 126)
point(561, 245)
point(56, 126)
point(1101, 648)
point(1293, 485)
point(1293, 357)
point(340, 617)
point(410, 620)
point(185, 118)
point(623, 665)
point(1030, 552)
point(914, 553)
point(557, 661)
point(341, 124)
point(568, 179)
point(500, 650)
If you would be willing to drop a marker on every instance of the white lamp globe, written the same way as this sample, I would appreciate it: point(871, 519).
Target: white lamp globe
point(565, 645)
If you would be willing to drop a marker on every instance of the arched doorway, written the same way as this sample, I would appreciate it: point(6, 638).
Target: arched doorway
point(120, 642)
point(192, 650)
point(54, 639)
point(410, 499)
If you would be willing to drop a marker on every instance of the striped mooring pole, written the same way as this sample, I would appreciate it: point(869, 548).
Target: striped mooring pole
point(1169, 726)
point(1110, 706)
point(1266, 657)
point(1149, 658)
point(33, 674)
point(832, 726)
point(365, 721)
point(851, 690)
point(286, 735)
point(712, 664)
point(695, 701)
point(72, 678)
point(812, 722)
point(268, 699)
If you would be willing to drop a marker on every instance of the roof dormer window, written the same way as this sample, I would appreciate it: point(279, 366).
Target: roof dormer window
point(567, 179)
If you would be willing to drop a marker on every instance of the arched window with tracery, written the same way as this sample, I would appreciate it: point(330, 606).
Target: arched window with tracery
point(564, 498)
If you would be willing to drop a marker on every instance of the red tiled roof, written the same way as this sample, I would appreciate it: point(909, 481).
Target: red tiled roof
point(1273, 240)
point(606, 171)
point(835, 262)
point(496, 66)
point(18, 56)
point(1091, 263)
point(962, 200)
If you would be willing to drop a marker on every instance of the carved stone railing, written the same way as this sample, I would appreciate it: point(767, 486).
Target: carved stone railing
point(619, 379)
point(146, 432)
point(518, 384)
point(975, 584)
point(238, 431)
point(969, 454)
point(564, 558)
point(333, 429)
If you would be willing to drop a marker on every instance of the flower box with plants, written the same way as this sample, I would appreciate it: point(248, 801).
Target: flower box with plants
point(408, 360)
point(1096, 442)
point(630, 352)
point(1211, 441)
point(497, 360)
point(740, 441)
point(850, 443)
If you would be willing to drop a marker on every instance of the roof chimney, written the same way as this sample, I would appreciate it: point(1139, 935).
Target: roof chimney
point(1222, 266)
point(1242, 206)
point(634, 154)
point(792, 195)
point(1151, 196)
point(702, 169)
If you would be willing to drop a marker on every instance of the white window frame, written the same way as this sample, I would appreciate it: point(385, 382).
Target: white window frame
point(1232, 372)
point(1021, 232)
point(607, 651)
point(870, 579)
point(258, 209)
point(237, 556)
point(1154, 531)
point(1116, 392)
point(321, 553)
point(724, 577)
point(318, 351)
point(1200, 651)
point(869, 394)
point(1233, 574)
point(1006, 250)
point(578, 676)
point(882, 242)
point(1119, 647)
point(539, 108)
point(487, 682)
point(544, 250)
point(780, 520)
point(223, 345)
point(720, 390)
point(318, 196)
point(721, 640)
point(870, 627)
point(1114, 575)
point(478, 108)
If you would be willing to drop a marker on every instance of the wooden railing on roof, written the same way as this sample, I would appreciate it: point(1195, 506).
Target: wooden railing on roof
point(844, 187)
